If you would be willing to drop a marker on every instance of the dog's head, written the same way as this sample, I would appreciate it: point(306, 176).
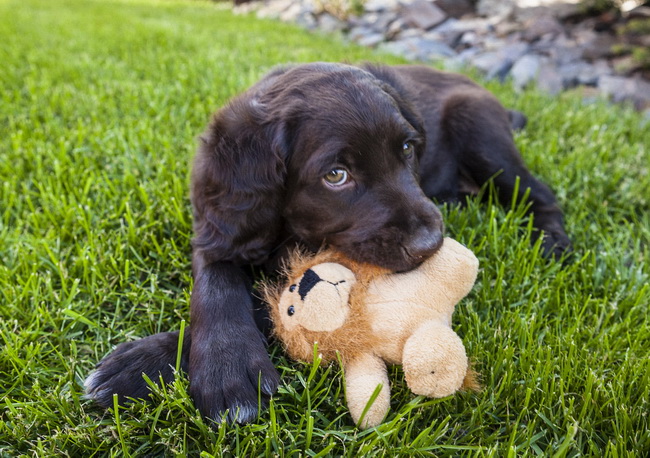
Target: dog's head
point(328, 152)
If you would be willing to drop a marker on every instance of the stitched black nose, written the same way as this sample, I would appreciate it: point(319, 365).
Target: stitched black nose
point(308, 281)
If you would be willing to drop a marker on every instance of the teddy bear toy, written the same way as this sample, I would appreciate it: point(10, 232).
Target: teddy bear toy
point(372, 317)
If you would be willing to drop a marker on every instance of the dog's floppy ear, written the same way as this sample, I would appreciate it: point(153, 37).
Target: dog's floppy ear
point(392, 85)
point(238, 183)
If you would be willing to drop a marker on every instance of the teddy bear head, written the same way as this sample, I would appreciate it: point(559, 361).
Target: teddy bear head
point(320, 303)
point(318, 300)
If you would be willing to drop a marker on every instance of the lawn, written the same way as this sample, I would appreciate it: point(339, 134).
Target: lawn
point(100, 105)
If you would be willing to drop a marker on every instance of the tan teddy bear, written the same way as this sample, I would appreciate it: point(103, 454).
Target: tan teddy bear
point(372, 317)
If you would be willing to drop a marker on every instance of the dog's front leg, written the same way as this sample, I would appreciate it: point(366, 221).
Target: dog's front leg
point(228, 366)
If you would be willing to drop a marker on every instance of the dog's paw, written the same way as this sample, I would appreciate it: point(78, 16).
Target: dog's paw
point(556, 244)
point(121, 371)
point(234, 379)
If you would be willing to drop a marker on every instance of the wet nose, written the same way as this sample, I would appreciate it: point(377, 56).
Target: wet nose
point(424, 244)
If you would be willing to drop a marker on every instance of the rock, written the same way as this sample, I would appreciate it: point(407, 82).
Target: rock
point(582, 73)
point(549, 80)
point(497, 64)
point(455, 8)
point(469, 39)
point(446, 33)
point(379, 22)
point(477, 25)
point(559, 10)
point(329, 23)
point(622, 89)
point(422, 14)
point(395, 28)
point(561, 51)
point(380, 5)
point(357, 33)
point(434, 49)
point(533, 43)
point(540, 27)
point(371, 40)
point(640, 12)
point(306, 20)
point(415, 48)
point(273, 10)
point(525, 70)
point(598, 47)
point(498, 8)
point(297, 10)
point(625, 64)
point(492, 64)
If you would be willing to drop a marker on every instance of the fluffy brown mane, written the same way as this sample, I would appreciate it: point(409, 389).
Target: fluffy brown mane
point(351, 339)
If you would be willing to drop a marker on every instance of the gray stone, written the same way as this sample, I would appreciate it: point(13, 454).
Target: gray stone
point(371, 39)
point(477, 25)
point(549, 80)
point(500, 8)
point(598, 46)
point(460, 61)
point(563, 54)
point(525, 70)
point(514, 50)
point(273, 10)
point(582, 73)
point(422, 14)
point(492, 63)
point(433, 49)
point(330, 24)
point(380, 5)
point(621, 89)
point(379, 22)
point(415, 48)
point(451, 38)
point(296, 10)
point(540, 27)
point(469, 39)
point(554, 8)
point(306, 20)
point(395, 28)
point(640, 12)
point(357, 33)
point(497, 64)
point(529, 44)
point(455, 8)
point(402, 48)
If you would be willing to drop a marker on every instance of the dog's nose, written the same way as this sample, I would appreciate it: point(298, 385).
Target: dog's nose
point(424, 244)
point(308, 281)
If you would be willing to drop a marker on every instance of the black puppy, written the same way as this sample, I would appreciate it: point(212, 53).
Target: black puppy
point(320, 154)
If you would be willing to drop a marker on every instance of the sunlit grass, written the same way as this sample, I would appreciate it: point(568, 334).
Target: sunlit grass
point(100, 104)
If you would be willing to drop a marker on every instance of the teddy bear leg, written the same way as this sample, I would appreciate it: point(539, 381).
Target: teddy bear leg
point(434, 361)
point(362, 377)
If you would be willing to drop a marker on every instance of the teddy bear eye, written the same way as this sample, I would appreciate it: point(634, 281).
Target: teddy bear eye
point(291, 310)
point(292, 288)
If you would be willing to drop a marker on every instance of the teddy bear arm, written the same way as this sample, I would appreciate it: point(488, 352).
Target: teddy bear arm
point(362, 377)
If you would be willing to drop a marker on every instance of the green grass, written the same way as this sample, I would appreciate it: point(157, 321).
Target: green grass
point(100, 104)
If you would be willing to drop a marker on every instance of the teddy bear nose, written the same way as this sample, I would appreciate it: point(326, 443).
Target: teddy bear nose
point(307, 282)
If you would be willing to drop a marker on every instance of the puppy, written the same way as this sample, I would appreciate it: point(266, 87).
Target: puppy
point(317, 155)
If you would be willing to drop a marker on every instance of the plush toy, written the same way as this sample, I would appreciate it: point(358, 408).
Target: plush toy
point(372, 317)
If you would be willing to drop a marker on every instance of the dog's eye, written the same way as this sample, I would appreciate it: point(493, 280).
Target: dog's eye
point(292, 288)
point(336, 177)
point(407, 149)
point(291, 310)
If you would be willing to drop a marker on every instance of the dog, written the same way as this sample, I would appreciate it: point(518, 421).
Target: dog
point(320, 154)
